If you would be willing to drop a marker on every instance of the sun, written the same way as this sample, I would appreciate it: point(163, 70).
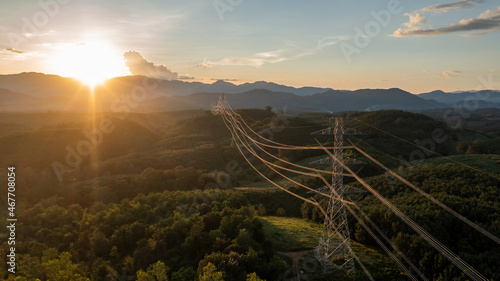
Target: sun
point(90, 62)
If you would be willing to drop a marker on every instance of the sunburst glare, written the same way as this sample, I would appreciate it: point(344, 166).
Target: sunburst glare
point(90, 62)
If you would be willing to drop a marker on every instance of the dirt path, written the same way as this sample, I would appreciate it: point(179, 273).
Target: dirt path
point(295, 256)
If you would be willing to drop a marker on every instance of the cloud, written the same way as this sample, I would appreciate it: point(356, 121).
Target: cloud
point(256, 60)
point(138, 65)
point(33, 35)
point(449, 73)
point(15, 54)
point(488, 21)
point(15, 51)
point(284, 54)
point(488, 14)
point(480, 33)
point(204, 64)
point(186, 77)
point(443, 8)
point(415, 19)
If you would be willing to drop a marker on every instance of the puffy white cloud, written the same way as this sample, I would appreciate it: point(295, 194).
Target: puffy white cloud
point(415, 19)
point(138, 65)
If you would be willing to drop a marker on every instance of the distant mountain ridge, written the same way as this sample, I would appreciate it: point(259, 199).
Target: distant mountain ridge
point(39, 92)
point(42, 85)
point(329, 101)
point(486, 97)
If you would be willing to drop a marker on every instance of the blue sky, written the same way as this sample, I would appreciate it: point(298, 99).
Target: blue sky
point(424, 46)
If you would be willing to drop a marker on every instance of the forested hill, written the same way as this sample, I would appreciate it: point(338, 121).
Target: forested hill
point(168, 195)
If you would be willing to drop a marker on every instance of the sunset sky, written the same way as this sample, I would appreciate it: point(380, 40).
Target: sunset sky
point(422, 45)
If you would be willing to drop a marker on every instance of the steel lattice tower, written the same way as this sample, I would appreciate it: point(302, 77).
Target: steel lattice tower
point(334, 250)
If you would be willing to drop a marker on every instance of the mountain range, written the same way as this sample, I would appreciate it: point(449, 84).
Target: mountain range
point(486, 98)
point(41, 92)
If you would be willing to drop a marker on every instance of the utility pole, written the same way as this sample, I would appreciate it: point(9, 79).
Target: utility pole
point(334, 250)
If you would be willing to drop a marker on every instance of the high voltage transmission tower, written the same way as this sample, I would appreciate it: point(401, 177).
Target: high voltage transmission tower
point(335, 242)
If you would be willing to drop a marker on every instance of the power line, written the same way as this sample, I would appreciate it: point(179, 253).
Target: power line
point(382, 245)
point(277, 144)
point(465, 267)
point(224, 109)
point(390, 242)
point(268, 164)
point(329, 219)
point(430, 151)
point(434, 200)
point(234, 133)
point(258, 144)
point(269, 180)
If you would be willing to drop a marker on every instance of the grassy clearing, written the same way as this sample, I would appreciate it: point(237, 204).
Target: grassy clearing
point(294, 234)
point(291, 234)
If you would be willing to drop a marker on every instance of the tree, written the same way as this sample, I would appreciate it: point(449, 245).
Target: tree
point(254, 277)
point(479, 146)
point(210, 273)
point(144, 276)
point(184, 274)
point(61, 268)
point(304, 210)
point(269, 108)
point(19, 278)
point(281, 212)
point(470, 150)
point(261, 210)
point(462, 147)
point(155, 272)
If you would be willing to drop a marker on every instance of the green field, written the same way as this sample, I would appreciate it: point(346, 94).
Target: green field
point(291, 234)
point(294, 235)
